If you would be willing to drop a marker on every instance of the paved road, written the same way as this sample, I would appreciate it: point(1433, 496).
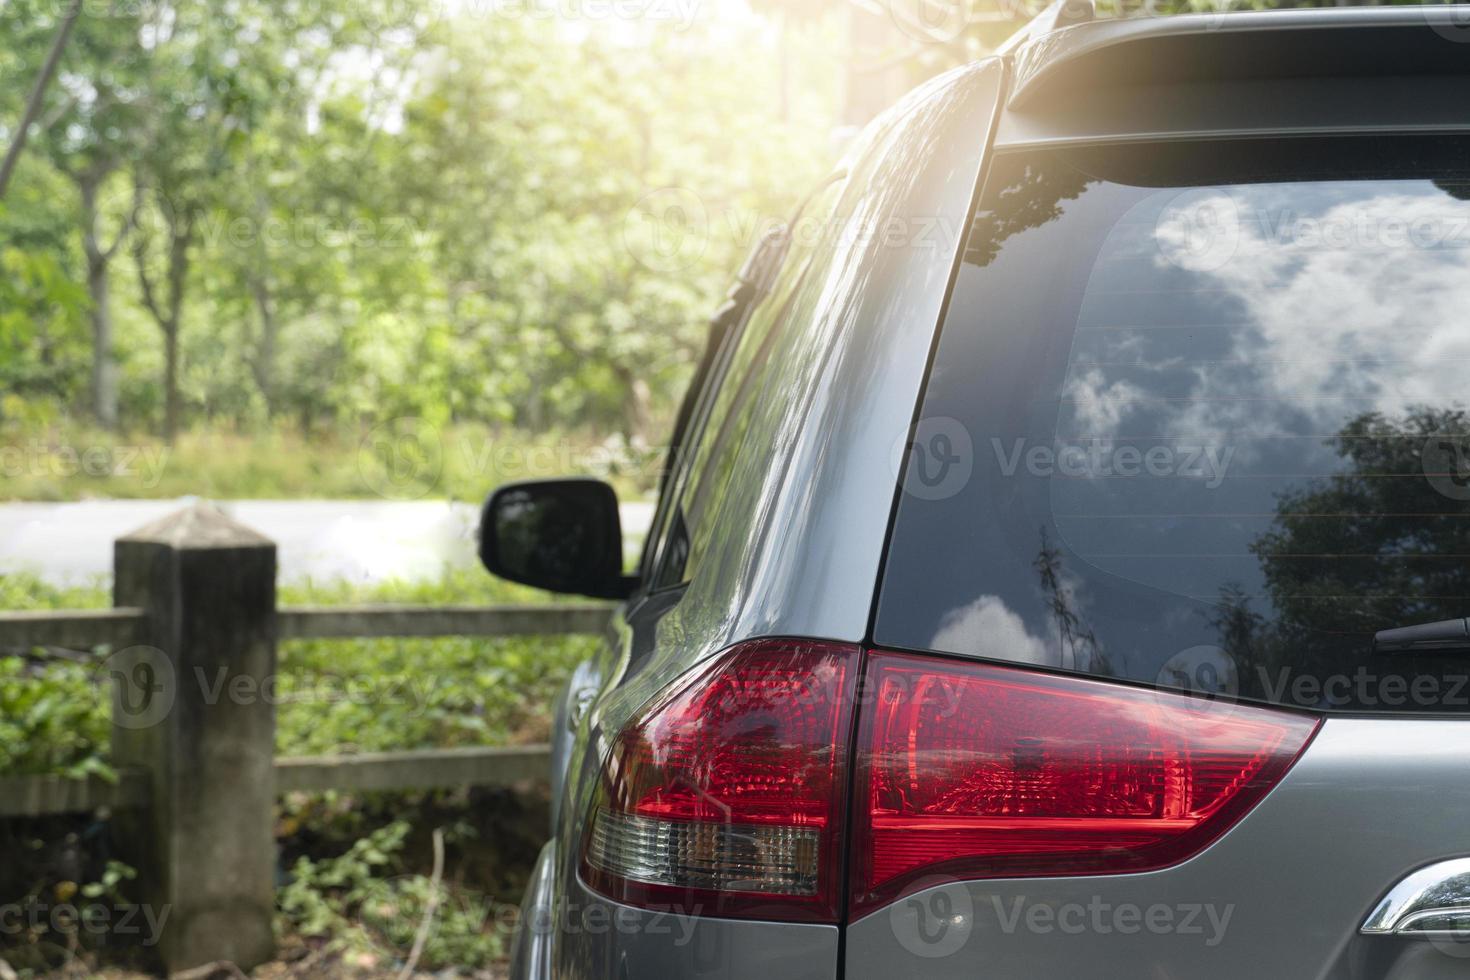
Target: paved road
point(358, 540)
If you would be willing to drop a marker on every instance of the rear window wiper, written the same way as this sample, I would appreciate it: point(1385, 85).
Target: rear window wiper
point(1447, 634)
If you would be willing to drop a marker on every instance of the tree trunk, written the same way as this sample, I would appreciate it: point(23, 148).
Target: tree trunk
point(265, 354)
point(38, 94)
point(104, 366)
point(168, 311)
point(263, 365)
point(636, 409)
point(170, 382)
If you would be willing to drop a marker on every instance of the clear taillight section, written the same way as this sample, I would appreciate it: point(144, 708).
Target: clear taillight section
point(969, 770)
point(727, 796)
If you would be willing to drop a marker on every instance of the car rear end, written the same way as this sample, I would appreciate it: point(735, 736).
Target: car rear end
point(1055, 654)
point(1206, 350)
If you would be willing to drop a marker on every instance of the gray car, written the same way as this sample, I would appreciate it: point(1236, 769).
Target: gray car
point(1064, 560)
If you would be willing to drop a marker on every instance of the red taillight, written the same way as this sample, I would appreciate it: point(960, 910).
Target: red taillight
point(970, 770)
point(727, 797)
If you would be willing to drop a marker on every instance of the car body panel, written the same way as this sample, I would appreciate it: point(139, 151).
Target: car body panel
point(531, 946)
point(597, 937)
point(1319, 71)
point(1353, 41)
point(802, 529)
point(614, 940)
point(1290, 885)
point(782, 564)
point(847, 386)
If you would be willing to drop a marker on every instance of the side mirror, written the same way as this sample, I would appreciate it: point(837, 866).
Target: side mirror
point(560, 535)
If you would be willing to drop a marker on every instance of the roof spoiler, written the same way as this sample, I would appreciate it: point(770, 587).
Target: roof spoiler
point(1059, 14)
point(1214, 48)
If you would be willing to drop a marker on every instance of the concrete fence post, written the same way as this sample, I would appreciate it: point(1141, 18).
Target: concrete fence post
point(195, 708)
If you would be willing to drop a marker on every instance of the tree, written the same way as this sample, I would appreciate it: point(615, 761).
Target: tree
point(1375, 546)
point(38, 94)
point(208, 90)
point(89, 132)
point(1387, 513)
point(344, 212)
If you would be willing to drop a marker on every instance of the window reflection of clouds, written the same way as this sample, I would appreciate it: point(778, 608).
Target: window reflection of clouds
point(1338, 299)
point(988, 628)
point(1369, 323)
point(1319, 359)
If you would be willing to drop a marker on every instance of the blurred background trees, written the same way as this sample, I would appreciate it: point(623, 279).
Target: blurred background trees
point(315, 215)
point(332, 212)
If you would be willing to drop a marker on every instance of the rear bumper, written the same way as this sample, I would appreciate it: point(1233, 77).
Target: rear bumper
point(582, 935)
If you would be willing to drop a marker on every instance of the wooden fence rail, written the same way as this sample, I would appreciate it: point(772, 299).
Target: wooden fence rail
point(44, 796)
point(488, 765)
point(314, 622)
point(194, 597)
point(74, 629)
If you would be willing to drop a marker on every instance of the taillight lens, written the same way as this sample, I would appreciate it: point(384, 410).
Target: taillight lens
point(970, 770)
point(727, 797)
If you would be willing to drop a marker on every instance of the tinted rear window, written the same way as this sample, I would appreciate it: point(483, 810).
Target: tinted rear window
point(1198, 416)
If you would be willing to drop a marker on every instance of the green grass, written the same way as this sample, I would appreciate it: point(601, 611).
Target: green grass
point(407, 459)
point(331, 695)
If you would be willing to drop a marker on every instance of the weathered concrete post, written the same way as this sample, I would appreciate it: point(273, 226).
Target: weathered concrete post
point(195, 709)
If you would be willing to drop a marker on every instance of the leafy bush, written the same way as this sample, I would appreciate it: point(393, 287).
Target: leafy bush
point(332, 695)
point(356, 884)
point(363, 904)
point(52, 720)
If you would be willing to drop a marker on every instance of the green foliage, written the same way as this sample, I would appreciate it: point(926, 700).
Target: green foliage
point(52, 719)
point(458, 462)
point(352, 212)
point(23, 591)
point(349, 211)
point(375, 695)
point(366, 905)
point(109, 886)
point(45, 873)
point(332, 695)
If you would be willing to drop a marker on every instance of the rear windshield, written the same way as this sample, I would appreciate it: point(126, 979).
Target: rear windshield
point(1200, 416)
